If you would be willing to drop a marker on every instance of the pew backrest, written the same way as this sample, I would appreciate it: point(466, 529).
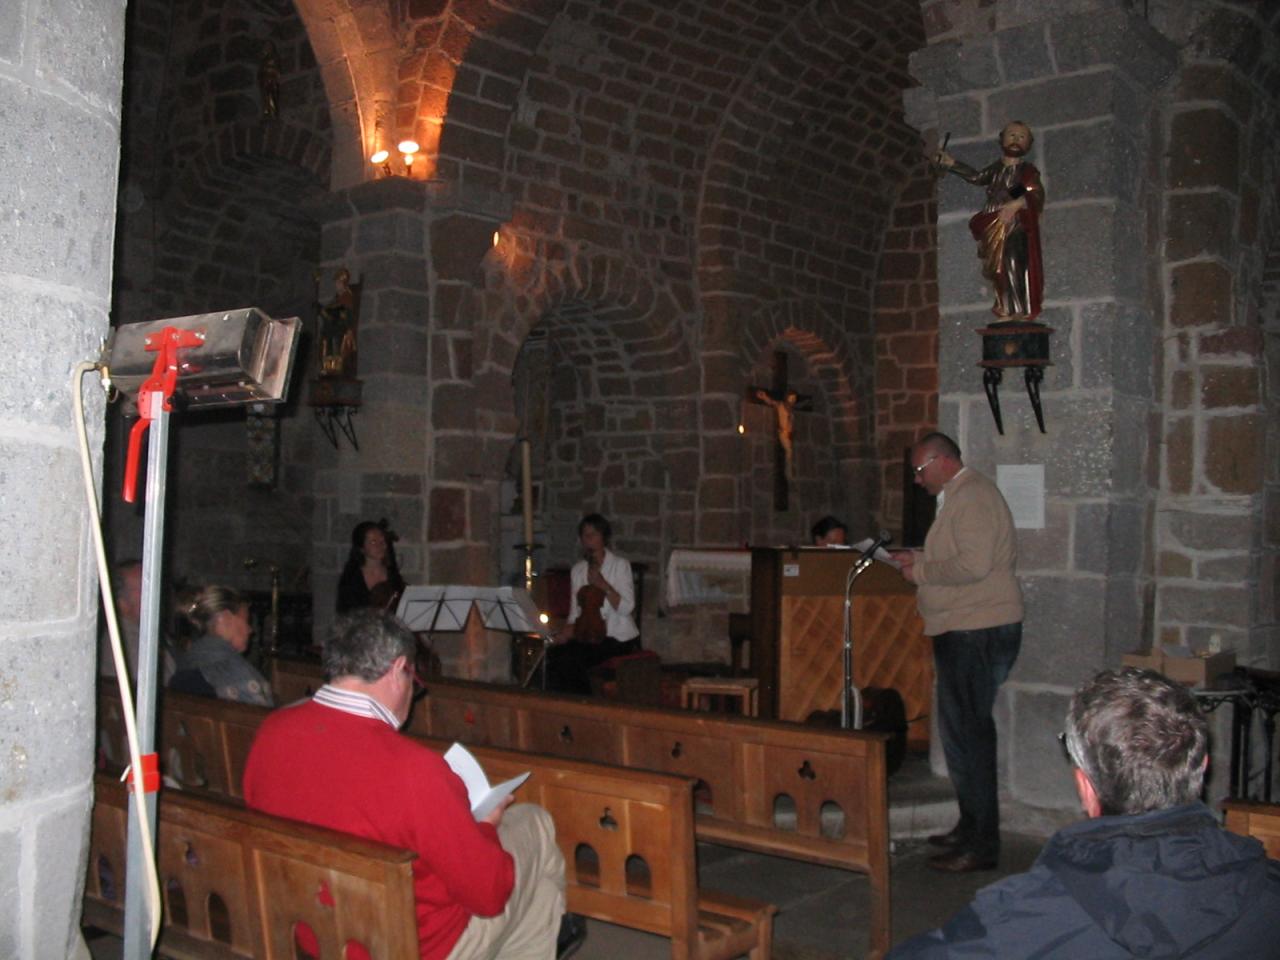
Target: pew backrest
point(1253, 819)
point(627, 836)
point(238, 884)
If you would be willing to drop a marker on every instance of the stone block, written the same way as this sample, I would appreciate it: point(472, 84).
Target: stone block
point(1038, 772)
point(82, 44)
point(1064, 627)
point(11, 37)
point(1234, 452)
point(447, 515)
point(61, 837)
point(459, 244)
point(468, 565)
point(1209, 530)
point(1095, 161)
point(960, 115)
point(1060, 100)
point(1090, 248)
point(1200, 225)
point(395, 230)
point(1175, 565)
point(1221, 605)
point(1202, 294)
point(956, 67)
point(1180, 453)
point(960, 282)
point(399, 307)
point(386, 271)
point(1024, 53)
point(11, 912)
point(1204, 150)
point(1125, 618)
point(392, 350)
point(1113, 37)
point(57, 234)
point(42, 487)
point(46, 741)
point(1236, 568)
point(1047, 550)
point(1116, 345)
point(389, 193)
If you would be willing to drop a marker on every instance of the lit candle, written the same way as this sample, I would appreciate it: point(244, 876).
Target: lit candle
point(526, 490)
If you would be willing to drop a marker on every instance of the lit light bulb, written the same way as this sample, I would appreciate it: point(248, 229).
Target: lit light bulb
point(407, 149)
point(496, 237)
point(543, 618)
point(742, 428)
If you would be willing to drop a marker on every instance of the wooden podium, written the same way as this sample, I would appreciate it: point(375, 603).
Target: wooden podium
point(797, 635)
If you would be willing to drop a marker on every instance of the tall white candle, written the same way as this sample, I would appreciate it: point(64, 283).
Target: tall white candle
point(526, 489)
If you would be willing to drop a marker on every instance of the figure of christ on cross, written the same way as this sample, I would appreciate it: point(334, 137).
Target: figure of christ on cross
point(785, 403)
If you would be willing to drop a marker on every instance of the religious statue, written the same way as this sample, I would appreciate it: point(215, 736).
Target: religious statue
point(784, 409)
point(338, 320)
point(1007, 229)
point(269, 81)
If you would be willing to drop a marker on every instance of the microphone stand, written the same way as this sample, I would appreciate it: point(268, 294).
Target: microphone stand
point(851, 698)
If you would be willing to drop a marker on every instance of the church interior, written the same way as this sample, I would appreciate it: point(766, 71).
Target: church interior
point(693, 266)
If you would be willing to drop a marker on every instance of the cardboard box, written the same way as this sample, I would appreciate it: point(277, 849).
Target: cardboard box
point(1198, 671)
point(1151, 660)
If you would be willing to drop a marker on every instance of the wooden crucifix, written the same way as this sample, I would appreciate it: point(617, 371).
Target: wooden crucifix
point(785, 403)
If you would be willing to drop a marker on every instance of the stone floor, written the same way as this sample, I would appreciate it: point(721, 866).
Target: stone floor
point(822, 911)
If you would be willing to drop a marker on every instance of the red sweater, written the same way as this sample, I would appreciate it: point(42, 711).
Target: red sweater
point(313, 763)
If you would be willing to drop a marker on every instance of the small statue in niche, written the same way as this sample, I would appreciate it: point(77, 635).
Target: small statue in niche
point(339, 319)
point(1007, 229)
point(269, 81)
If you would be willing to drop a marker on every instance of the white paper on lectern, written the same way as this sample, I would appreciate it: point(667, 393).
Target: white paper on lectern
point(881, 554)
point(483, 798)
point(1022, 485)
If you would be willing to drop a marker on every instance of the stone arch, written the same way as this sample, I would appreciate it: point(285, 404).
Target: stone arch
point(357, 49)
point(459, 85)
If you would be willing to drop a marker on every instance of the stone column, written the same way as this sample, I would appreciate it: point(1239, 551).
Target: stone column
point(1082, 74)
point(377, 231)
point(60, 75)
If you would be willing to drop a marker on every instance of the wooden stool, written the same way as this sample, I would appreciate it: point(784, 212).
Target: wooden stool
point(696, 693)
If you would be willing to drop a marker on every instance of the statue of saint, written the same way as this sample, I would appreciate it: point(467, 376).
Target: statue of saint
point(1007, 229)
point(269, 81)
point(338, 319)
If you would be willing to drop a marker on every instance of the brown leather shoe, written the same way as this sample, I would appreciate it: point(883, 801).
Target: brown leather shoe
point(962, 861)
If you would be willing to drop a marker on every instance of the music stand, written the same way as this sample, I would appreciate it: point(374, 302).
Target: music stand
point(444, 609)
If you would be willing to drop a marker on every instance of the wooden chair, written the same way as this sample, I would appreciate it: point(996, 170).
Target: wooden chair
point(1251, 819)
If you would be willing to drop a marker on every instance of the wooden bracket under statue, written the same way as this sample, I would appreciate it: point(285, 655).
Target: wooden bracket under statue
point(1014, 344)
point(334, 402)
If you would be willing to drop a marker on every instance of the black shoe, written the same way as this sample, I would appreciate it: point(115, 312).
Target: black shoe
point(573, 933)
point(962, 861)
point(948, 841)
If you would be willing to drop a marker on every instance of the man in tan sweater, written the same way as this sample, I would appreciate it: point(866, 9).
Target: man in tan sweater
point(972, 608)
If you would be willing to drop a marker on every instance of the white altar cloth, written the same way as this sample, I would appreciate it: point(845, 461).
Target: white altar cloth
point(700, 576)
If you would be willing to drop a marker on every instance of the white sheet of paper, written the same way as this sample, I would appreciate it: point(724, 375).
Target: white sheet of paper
point(1023, 487)
point(482, 796)
point(862, 546)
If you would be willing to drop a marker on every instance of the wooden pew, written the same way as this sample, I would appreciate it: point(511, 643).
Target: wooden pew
point(627, 836)
point(807, 793)
point(1252, 819)
point(236, 883)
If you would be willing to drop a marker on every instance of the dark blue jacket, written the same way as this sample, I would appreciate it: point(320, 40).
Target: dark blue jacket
point(1166, 884)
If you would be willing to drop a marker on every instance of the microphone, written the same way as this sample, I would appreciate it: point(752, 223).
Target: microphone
point(883, 539)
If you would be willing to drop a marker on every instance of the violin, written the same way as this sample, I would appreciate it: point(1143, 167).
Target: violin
point(589, 627)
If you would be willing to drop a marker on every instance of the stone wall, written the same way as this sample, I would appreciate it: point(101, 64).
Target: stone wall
point(60, 77)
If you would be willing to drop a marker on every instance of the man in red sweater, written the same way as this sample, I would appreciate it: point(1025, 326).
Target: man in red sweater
point(485, 888)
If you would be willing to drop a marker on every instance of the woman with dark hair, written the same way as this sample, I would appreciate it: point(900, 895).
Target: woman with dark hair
point(214, 665)
point(601, 625)
point(371, 577)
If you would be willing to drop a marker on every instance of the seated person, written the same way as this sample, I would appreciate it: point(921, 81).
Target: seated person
point(600, 624)
point(485, 888)
point(371, 577)
point(214, 664)
point(829, 532)
point(126, 580)
point(1149, 873)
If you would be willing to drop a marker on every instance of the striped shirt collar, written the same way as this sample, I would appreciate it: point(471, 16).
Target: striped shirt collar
point(356, 704)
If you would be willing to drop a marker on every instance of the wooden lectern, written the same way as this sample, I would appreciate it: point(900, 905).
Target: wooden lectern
point(797, 634)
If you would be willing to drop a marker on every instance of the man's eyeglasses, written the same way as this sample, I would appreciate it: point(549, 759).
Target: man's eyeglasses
point(920, 469)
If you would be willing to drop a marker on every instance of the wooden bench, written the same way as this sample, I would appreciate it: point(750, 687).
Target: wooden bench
point(1252, 819)
point(802, 792)
point(241, 884)
point(627, 836)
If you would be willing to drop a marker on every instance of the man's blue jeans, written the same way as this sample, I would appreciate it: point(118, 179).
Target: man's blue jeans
point(971, 665)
